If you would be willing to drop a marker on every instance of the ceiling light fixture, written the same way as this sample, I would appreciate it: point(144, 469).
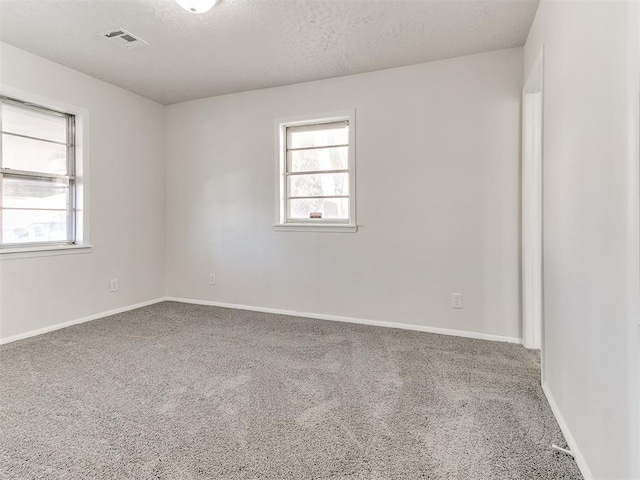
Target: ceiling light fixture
point(197, 6)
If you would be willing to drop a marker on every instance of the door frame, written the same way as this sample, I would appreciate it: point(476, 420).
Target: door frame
point(532, 206)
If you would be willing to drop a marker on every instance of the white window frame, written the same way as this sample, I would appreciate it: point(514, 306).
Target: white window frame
point(321, 224)
point(80, 243)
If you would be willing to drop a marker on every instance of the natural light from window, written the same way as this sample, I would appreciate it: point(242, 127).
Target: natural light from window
point(317, 173)
point(36, 175)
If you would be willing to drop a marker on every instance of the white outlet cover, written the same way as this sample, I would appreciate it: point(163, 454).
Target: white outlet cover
point(456, 300)
point(212, 279)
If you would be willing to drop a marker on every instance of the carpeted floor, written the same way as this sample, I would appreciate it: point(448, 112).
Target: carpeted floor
point(177, 391)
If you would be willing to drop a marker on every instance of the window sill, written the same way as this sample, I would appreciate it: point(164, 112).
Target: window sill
point(14, 253)
point(326, 227)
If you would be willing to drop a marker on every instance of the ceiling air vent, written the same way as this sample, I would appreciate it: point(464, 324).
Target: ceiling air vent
point(123, 38)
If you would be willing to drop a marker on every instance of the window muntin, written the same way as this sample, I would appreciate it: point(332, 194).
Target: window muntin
point(37, 175)
point(317, 172)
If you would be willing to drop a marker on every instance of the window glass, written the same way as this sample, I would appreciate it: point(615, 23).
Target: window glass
point(317, 172)
point(36, 175)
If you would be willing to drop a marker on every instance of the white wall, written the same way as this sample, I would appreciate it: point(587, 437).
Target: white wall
point(437, 198)
point(127, 196)
point(591, 225)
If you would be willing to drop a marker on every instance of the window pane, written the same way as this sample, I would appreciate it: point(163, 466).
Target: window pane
point(318, 135)
point(33, 155)
point(335, 208)
point(34, 194)
point(318, 184)
point(34, 123)
point(321, 159)
point(32, 226)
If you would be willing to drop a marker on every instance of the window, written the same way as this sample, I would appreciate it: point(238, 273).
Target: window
point(317, 173)
point(37, 176)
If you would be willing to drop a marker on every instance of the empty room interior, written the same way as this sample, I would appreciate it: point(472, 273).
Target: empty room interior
point(319, 239)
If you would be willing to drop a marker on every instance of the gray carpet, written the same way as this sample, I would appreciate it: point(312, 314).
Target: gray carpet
point(177, 391)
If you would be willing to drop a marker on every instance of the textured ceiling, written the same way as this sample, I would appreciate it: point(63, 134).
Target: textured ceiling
point(249, 44)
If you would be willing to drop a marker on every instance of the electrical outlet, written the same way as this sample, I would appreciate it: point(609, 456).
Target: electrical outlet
point(212, 279)
point(456, 300)
point(113, 285)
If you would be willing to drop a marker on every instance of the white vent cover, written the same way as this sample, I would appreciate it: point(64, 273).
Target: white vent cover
point(122, 37)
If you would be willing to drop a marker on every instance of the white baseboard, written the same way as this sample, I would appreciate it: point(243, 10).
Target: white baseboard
point(338, 318)
point(573, 446)
point(319, 316)
point(58, 326)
